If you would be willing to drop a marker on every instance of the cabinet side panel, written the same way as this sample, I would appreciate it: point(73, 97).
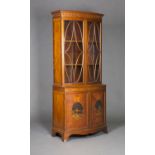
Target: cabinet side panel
point(57, 50)
point(58, 109)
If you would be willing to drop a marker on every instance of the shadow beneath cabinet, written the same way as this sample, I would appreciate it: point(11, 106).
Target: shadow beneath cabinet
point(115, 125)
point(46, 124)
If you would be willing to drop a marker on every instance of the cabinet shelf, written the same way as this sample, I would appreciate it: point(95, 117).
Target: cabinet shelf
point(93, 64)
point(73, 52)
point(74, 41)
point(94, 42)
point(73, 64)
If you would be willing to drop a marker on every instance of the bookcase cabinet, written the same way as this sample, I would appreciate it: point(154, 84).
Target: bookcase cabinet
point(79, 97)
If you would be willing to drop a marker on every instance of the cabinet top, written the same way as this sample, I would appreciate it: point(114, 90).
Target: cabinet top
point(76, 13)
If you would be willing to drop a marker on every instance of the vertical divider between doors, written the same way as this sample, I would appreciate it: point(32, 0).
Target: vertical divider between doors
point(89, 109)
point(85, 51)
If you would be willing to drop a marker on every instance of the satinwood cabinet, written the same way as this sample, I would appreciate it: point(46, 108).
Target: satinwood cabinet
point(79, 97)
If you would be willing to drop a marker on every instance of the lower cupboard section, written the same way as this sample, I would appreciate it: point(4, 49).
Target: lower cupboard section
point(79, 112)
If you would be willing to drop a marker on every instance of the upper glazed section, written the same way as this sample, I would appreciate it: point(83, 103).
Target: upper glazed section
point(78, 14)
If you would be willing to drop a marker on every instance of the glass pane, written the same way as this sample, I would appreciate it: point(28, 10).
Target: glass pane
point(73, 49)
point(94, 52)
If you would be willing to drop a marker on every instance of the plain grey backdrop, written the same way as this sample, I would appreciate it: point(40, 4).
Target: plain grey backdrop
point(41, 75)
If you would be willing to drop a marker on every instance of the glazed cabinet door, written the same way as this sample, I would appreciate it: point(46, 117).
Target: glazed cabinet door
point(98, 109)
point(94, 47)
point(76, 111)
point(73, 51)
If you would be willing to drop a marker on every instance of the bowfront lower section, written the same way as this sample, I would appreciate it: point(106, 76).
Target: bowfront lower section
point(83, 112)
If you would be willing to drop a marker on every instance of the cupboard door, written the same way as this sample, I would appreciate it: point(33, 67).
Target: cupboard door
point(73, 51)
point(98, 108)
point(76, 111)
point(94, 51)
